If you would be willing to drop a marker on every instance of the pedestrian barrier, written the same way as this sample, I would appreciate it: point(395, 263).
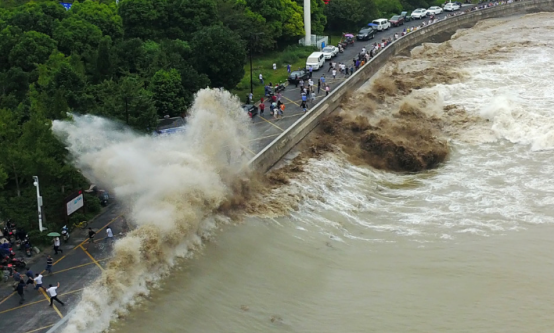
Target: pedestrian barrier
point(273, 152)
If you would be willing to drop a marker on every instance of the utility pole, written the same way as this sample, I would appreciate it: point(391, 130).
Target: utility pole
point(39, 204)
point(126, 110)
point(255, 38)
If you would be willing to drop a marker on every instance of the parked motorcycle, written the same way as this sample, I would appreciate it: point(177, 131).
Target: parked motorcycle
point(17, 262)
point(280, 87)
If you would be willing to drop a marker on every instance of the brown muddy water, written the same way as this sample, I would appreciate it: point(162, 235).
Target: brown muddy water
point(463, 247)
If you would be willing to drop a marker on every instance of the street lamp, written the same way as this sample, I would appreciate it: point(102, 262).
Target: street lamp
point(250, 54)
point(39, 204)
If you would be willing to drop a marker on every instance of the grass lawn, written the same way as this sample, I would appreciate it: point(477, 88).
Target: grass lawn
point(294, 55)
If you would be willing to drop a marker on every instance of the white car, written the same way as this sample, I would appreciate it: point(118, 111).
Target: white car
point(419, 13)
point(435, 10)
point(330, 51)
point(450, 7)
point(381, 24)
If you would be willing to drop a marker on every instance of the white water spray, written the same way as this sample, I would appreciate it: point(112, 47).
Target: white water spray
point(171, 186)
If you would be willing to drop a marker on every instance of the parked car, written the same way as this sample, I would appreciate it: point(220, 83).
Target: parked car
point(407, 18)
point(396, 21)
point(435, 10)
point(381, 24)
point(298, 75)
point(316, 60)
point(330, 51)
point(451, 6)
point(366, 33)
point(419, 13)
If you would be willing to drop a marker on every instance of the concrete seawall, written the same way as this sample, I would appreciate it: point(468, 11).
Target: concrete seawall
point(271, 154)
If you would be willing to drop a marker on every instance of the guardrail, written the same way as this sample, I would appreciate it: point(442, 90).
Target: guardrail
point(273, 152)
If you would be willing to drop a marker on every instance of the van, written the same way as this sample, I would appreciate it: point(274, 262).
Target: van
point(381, 24)
point(316, 60)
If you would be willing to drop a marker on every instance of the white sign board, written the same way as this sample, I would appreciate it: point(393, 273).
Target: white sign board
point(75, 204)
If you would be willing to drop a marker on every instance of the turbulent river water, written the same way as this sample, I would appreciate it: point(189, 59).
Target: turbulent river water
point(465, 247)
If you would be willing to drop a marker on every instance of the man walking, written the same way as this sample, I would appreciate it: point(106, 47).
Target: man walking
point(49, 263)
point(30, 277)
point(20, 292)
point(109, 234)
point(52, 292)
point(57, 245)
point(90, 237)
point(38, 282)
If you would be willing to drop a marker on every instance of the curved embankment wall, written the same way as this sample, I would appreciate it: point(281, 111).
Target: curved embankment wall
point(272, 153)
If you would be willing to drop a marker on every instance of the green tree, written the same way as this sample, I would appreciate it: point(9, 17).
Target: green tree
point(103, 60)
point(350, 14)
point(167, 93)
point(220, 54)
point(40, 17)
point(387, 8)
point(186, 17)
point(12, 160)
point(103, 16)
point(75, 35)
point(237, 16)
point(33, 48)
point(146, 19)
point(9, 37)
point(284, 18)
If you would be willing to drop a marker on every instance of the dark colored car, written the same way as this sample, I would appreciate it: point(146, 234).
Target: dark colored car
point(406, 17)
point(366, 33)
point(298, 75)
point(396, 21)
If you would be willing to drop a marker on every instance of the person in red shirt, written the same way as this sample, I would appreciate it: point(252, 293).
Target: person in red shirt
point(262, 108)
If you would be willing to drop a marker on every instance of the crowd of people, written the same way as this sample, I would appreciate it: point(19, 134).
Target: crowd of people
point(308, 89)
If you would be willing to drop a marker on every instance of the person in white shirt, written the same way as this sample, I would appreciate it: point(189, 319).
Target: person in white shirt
point(274, 66)
point(363, 49)
point(334, 73)
point(57, 245)
point(52, 292)
point(261, 78)
point(109, 234)
point(38, 281)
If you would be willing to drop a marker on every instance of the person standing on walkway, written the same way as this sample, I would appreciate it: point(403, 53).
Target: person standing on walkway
point(53, 293)
point(20, 292)
point(318, 86)
point(30, 277)
point(330, 67)
point(90, 237)
point(262, 108)
point(38, 282)
point(109, 234)
point(49, 263)
point(327, 89)
point(334, 73)
point(57, 245)
point(312, 96)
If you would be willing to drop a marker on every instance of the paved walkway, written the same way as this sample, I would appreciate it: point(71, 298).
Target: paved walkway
point(74, 269)
point(267, 129)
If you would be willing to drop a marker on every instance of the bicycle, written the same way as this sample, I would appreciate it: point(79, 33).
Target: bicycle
point(80, 225)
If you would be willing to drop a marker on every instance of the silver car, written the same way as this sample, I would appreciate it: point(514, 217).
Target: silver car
point(330, 51)
point(419, 13)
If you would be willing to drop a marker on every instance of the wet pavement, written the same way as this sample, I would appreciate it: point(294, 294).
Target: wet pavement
point(266, 128)
point(74, 269)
